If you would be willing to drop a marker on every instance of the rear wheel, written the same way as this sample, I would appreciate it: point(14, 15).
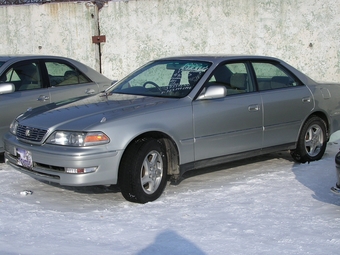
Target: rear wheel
point(312, 141)
point(142, 173)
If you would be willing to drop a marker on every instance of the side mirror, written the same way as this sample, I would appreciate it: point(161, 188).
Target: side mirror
point(6, 88)
point(213, 92)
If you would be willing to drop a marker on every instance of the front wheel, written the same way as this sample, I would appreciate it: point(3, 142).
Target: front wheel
point(142, 173)
point(312, 141)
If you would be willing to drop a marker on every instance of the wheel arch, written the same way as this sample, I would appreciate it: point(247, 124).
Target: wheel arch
point(324, 117)
point(170, 148)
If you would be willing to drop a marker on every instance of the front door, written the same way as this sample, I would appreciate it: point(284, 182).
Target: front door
point(231, 124)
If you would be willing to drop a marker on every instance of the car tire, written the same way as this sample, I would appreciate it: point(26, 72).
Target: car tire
point(142, 174)
point(312, 141)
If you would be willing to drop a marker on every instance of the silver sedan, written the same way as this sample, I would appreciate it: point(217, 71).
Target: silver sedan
point(173, 115)
point(31, 81)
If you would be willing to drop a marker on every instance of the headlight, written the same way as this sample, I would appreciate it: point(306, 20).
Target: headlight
point(13, 127)
point(78, 139)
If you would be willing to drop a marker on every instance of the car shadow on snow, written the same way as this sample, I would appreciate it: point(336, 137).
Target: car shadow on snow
point(319, 176)
point(53, 196)
point(245, 165)
point(97, 189)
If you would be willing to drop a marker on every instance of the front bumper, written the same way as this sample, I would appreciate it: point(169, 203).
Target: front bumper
point(49, 162)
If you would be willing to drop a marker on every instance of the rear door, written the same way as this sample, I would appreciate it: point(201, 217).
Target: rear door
point(66, 81)
point(286, 103)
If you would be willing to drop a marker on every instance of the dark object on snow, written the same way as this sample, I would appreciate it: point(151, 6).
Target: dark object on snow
point(336, 189)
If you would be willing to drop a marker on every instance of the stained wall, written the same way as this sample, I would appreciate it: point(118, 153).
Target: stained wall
point(305, 33)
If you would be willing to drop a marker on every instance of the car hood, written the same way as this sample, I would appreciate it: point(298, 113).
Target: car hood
point(82, 113)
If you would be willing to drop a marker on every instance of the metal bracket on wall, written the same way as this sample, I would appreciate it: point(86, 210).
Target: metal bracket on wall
point(98, 39)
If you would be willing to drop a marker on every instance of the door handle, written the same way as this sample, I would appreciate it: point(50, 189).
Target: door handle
point(306, 100)
point(43, 98)
point(89, 91)
point(253, 108)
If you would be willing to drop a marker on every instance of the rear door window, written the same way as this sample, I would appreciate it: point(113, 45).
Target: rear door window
point(61, 74)
point(272, 76)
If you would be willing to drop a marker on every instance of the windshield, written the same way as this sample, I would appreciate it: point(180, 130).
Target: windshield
point(163, 78)
point(1, 63)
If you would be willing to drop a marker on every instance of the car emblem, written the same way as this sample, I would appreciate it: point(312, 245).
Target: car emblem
point(28, 132)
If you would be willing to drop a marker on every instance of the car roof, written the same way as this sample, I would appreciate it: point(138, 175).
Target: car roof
point(197, 57)
point(5, 58)
point(219, 57)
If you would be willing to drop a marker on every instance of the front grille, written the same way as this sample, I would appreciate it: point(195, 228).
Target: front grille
point(30, 133)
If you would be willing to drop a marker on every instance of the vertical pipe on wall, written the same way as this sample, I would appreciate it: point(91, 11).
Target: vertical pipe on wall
point(96, 31)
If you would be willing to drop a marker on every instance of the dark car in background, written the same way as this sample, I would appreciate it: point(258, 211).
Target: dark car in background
point(174, 115)
point(28, 81)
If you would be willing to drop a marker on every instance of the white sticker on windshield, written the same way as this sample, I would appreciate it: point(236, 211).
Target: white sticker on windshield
point(195, 67)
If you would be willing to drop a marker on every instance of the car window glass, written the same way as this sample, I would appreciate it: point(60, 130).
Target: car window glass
point(24, 76)
point(272, 76)
point(234, 76)
point(61, 74)
point(164, 78)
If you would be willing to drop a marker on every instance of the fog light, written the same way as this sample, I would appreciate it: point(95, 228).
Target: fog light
point(71, 170)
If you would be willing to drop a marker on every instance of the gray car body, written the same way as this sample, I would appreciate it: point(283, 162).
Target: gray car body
point(203, 131)
point(14, 103)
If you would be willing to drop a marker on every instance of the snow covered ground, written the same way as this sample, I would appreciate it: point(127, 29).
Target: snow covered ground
point(264, 205)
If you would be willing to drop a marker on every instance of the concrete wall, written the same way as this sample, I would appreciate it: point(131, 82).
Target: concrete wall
point(64, 29)
point(305, 33)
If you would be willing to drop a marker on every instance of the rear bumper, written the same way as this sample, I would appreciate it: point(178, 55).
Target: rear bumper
point(49, 163)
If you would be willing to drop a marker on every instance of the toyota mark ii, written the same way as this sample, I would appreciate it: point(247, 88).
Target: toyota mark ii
point(173, 115)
